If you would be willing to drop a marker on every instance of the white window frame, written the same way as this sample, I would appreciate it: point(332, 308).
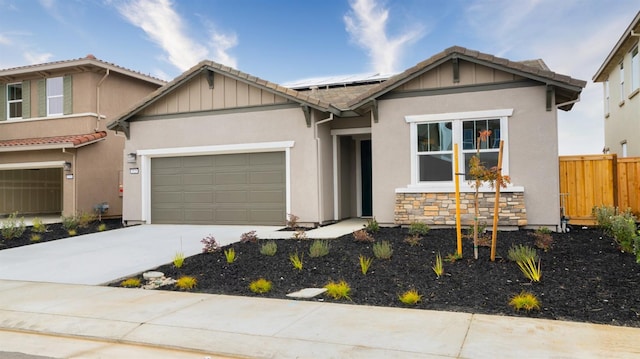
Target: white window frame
point(622, 82)
point(635, 69)
point(9, 102)
point(457, 118)
point(55, 96)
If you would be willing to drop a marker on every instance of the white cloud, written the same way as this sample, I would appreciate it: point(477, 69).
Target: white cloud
point(165, 27)
point(36, 58)
point(366, 23)
point(4, 40)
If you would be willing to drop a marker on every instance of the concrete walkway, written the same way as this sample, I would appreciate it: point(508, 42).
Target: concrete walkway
point(200, 325)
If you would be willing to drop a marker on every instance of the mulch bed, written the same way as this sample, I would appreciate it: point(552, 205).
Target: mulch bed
point(585, 277)
point(56, 231)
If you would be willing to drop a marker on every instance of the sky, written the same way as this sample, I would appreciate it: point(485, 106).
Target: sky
point(288, 40)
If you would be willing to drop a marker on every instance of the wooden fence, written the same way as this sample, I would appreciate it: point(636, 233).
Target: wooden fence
point(595, 180)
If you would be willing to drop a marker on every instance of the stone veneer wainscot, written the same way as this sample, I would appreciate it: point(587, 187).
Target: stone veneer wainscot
point(440, 208)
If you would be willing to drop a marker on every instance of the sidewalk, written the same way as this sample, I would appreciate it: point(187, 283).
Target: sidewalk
point(210, 325)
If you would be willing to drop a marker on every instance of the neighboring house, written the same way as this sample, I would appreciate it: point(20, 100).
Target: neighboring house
point(217, 145)
point(620, 75)
point(56, 157)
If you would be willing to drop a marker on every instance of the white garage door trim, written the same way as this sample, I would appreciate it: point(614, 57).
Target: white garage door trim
point(145, 157)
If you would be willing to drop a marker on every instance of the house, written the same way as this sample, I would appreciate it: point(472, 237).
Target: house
point(56, 157)
point(217, 145)
point(620, 76)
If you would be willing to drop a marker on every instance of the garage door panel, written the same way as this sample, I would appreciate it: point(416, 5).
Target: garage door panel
point(31, 191)
point(220, 189)
point(230, 178)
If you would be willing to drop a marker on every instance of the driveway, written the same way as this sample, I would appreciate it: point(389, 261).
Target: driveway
point(103, 257)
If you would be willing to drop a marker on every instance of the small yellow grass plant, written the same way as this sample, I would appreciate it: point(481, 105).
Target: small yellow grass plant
point(531, 269)
point(296, 260)
point(526, 301)
point(178, 259)
point(260, 286)
point(410, 297)
point(365, 263)
point(186, 283)
point(35, 237)
point(230, 255)
point(338, 290)
point(438, 267)
point(130, 283)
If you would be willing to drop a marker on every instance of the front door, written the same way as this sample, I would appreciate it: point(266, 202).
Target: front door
point(366, 171)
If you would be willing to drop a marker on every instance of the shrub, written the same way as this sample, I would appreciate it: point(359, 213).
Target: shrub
point(339, 290)
point(319, 248)
point(210, 244)
point(604, 215)
point(543, 238)
point(102, 227)
point(438, 267)
point(531, 269)
point(38, 226)
point(372, 225)
point(413, 240)
point(382, 250)
point(362, 236)
point(623, 229)
point(72, 232)
point(12, 227)
point(130, 283)
point(178, 259)
point(365, 263)
point(453, 257)
point(230, 255)
point(296, 260)
point(70, 222)
point(292, 221)
point(410, 297)
point(269, 249)
point(35, 237)
point(186, 283)
point(418, 228)
point(250, 237)
point(300, 234)
point(521, 253)
point(260, 286)
point(525, 300)
point(85, 218)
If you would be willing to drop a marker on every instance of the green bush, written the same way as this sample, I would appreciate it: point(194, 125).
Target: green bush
point(319, 248)
point(382, 250)
point(38, 226)
point(70, 223)
point(372, 226)
point(269, 249)
point(522, 253)
point(12, 227)
point(418, 228)
point(623, 229)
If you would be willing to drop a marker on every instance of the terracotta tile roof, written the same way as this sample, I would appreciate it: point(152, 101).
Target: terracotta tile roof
point(62, 141)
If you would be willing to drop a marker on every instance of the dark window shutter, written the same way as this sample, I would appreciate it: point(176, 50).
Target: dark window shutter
point(26, 99)
point(3, 102)
point(67, 85)
point(42, 98)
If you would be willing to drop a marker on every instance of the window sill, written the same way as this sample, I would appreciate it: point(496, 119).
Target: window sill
point(635, 92)
point(621, 103)
point(450, 188)
point(606, 115)
point(75, 115)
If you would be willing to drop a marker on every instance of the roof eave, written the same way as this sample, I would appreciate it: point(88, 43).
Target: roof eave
point(626, 35)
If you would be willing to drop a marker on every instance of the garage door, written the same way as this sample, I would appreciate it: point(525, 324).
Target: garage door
point(246, 188)
point(31, 191)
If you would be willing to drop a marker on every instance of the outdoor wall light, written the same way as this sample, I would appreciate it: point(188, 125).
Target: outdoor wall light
point(131, 157)
point(67, 166)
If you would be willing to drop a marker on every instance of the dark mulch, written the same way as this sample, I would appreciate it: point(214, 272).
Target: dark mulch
point(55, 231)
point(585, 278)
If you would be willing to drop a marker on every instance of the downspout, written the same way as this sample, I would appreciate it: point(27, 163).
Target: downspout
point(319, 165)
point(98, 99)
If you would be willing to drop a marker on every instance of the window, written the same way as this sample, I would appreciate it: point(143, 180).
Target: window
point(621, 82)
point(14, 101)
point(635, 69)
point(55, 98)
point(606, 97)
point(434, 136)
point(435, 151)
